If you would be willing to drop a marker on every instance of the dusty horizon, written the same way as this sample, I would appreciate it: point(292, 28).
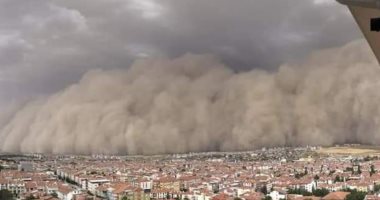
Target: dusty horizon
point(195, 103)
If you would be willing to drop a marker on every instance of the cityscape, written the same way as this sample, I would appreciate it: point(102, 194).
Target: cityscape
point(344, 172)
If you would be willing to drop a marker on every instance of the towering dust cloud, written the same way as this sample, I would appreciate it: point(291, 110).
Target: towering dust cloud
point(195, 103)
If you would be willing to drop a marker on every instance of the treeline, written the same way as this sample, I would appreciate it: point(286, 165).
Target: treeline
point(6, 195)
point(318, 192)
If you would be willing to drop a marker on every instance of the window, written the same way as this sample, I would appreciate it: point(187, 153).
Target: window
point(375, 24)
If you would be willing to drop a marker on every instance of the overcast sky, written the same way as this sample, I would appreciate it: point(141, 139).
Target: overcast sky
point(46, 45)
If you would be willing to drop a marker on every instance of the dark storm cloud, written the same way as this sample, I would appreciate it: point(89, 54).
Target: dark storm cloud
point(46, 45)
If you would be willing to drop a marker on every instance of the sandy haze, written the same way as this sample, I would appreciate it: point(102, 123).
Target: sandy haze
point(196, 103)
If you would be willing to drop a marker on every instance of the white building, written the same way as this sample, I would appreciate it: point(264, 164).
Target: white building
point(146, 185)
point(94, 183)
point(275, 195)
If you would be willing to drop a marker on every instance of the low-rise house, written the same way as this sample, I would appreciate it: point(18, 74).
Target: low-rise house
point(94, 183)
point(164, 194)
point(65, 192)
point(253, 196)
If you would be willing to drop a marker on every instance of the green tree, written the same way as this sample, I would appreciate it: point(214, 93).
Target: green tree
point(294, 191)
point(332, 172)
point(54, 194)
point(372, 171)
point(264, 190)
point(355, 195)
point(300, 175)
point(376, 188)
point(6, 195)
point(359, 170)
point(320, 192)
point(316, 177)
point(338, 179)
point(349, 169)
point(299, 191)
point(267, 198)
